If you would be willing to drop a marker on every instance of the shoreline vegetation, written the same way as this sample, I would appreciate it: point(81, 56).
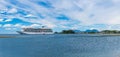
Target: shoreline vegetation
point(93, 31)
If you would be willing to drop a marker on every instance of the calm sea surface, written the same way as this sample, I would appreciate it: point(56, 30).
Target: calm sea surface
point(60, 46)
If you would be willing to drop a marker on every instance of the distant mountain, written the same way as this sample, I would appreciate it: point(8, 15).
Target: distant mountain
point(77, 31)
point(93, 30)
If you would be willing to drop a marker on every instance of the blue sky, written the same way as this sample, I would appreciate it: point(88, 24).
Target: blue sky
point(59, 14)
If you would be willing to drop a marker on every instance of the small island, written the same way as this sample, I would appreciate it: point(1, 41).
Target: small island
point(93, 31)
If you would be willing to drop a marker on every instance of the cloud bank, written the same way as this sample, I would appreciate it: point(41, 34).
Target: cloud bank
point(64, 14)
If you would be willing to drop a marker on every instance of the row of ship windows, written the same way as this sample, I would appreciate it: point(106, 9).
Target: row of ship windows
point(38, 30)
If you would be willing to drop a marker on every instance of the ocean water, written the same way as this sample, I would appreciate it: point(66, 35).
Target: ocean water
point(60, 45)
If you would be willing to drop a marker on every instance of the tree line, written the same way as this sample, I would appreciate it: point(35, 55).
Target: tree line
point(89, 32)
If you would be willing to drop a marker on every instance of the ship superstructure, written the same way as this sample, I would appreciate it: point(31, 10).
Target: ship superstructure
point(42, 30)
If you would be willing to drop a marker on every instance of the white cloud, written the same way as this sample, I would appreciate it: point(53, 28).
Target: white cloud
point(8, 28)
point(116, 1)
point(13, 10)
point(17, 25)
point(35, 25)
point(29, 15)
point(8, 20)
point(85, 12)
point(7, 25)
point(24, 26)
point(1, 20)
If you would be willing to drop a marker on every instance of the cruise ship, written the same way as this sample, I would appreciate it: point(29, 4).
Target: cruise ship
point(42, 30)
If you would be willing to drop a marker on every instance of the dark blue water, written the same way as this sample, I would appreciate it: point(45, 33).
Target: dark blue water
point(60, 46)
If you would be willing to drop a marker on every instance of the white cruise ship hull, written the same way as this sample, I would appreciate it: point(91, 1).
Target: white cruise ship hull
point(21, 32)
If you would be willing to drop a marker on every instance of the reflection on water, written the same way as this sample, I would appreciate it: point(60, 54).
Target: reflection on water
point(60, 46)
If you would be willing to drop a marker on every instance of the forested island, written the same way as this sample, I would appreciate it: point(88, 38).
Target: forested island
point(94, 31)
